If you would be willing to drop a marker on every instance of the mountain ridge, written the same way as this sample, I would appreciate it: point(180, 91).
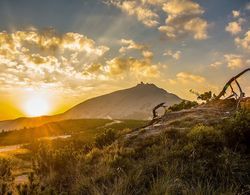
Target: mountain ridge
point(132, 103)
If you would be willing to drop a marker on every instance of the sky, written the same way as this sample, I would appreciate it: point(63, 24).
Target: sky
point(57, 53)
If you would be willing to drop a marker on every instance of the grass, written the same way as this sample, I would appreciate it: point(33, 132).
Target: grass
point(84, 129)
point(204, 159)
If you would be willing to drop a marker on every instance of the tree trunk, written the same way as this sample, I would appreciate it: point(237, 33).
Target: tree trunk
point(222, 93)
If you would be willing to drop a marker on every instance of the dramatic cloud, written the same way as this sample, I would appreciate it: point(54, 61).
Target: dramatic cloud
point(45, 58)
point(183, 16)
point(244, 42)
point(176, 55)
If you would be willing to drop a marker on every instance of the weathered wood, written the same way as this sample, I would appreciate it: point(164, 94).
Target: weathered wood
point(228, 84)
point(242, 94)
point(155, 114)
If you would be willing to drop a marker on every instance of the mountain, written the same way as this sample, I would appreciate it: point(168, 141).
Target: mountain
point(133, 103)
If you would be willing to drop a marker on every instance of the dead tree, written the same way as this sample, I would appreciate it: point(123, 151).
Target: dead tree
point(155, 114)
point(229, 84)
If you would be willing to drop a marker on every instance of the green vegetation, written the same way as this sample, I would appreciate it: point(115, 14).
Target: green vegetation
point(105, 139)
point(206, 96)
point(78, 128)
point(183, 105)
point(201, 160)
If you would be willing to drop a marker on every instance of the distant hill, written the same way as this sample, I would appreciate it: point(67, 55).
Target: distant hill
point(133, 103)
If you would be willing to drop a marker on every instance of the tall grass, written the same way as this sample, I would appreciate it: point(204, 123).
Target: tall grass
point(201, 160)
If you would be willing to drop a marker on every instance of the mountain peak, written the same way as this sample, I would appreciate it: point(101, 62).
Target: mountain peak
point(142, 84)
point(150, 87)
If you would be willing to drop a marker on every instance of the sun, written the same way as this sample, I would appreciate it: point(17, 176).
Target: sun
point(36, 106)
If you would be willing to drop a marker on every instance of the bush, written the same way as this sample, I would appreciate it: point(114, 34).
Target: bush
point(5, 168)
point(183, 105)
point(105, 139)
point(5, 175)
point(237, 131)
point(200, 160)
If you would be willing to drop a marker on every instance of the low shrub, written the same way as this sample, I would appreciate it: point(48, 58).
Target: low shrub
point(105, 139)
point(183, 105)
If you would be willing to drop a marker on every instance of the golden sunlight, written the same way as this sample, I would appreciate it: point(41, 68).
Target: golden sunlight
point(36, 106)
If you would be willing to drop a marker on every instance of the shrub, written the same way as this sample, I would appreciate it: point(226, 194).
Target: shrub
point(237, 131)
point(206, 96)
point(105, 139)
point(183, 105)
point(199, 160)
point(6, 167)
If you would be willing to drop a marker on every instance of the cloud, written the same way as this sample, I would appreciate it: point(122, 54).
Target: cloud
point(244, 42)
point(128, 44)
point(188, 77)
point(67, 62)
point(140, 9)
point(138, 67)
point(44, 58)
point(236, 13)
point(184, 17)
point(232, 61)
point(216, 64)
point(147, 54)
point(180, 7)
point(235, 61)
point(235, 27)
point(176, 55)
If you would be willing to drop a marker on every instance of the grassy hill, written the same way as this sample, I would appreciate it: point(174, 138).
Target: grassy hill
point(204, 150)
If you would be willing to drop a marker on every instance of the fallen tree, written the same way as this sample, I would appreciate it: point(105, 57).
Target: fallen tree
point(233, 93)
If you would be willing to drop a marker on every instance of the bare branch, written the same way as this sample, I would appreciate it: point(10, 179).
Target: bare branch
point(222, 93)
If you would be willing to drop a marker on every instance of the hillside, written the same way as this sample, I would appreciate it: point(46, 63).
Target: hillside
point(203, 150)
point(133, 103)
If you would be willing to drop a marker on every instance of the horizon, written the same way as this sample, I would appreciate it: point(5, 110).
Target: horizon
point(83, 49)
point(59, 113)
